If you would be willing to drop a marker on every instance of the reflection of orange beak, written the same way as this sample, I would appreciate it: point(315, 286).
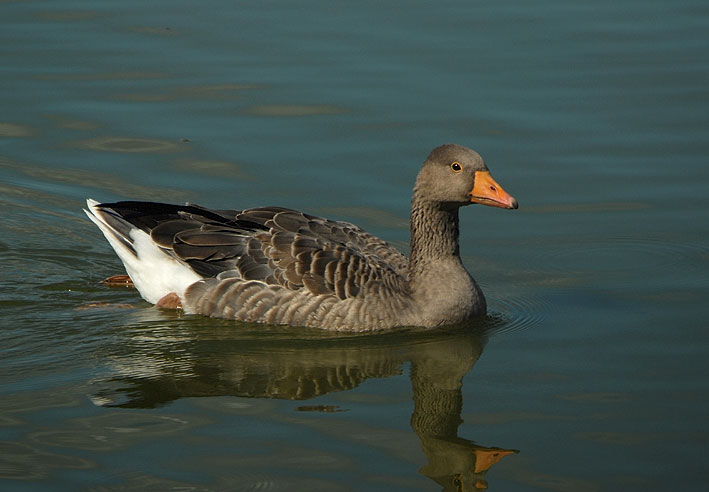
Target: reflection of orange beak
point(486, 457)
point(487, 192)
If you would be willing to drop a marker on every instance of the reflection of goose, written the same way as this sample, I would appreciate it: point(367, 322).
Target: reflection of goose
point(454, 462)
point(279, 266)
point(219, 361)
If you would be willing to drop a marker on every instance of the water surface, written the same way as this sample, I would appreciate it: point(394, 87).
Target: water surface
point(589, 372)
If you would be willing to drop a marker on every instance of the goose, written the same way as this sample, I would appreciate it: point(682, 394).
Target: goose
point(280, 266)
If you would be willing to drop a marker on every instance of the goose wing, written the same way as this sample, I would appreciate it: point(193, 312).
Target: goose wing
point(274, 245)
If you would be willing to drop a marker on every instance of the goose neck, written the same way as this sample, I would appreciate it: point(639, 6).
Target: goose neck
point(434, 234)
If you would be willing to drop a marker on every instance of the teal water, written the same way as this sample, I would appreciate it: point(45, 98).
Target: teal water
point(592, 362)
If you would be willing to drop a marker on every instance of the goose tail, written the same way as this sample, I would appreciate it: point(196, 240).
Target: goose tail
point(154, 270)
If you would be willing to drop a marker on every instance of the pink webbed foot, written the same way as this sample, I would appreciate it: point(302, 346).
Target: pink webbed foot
point(118, 281)
point(170, 301)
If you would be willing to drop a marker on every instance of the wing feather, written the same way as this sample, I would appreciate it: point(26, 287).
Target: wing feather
point(273, 245)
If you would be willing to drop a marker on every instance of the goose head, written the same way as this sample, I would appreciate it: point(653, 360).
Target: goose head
point(453, 176)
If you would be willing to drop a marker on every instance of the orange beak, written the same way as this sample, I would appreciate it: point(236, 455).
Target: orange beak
point(487, 192)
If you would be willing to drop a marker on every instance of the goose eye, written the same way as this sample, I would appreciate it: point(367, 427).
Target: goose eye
point(456, 167)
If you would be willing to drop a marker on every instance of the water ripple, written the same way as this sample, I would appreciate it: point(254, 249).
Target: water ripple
point(516, 312)
point(622, 259)
point(130, 144)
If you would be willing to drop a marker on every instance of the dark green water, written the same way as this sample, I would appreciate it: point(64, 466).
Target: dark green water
point(593, 360)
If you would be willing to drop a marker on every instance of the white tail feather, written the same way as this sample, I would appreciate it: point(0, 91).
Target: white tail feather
point(154, 272)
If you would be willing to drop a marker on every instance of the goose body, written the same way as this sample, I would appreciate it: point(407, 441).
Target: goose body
point(280, 266)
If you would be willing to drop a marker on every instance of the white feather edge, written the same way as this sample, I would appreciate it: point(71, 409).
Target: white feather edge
point(154, 272)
